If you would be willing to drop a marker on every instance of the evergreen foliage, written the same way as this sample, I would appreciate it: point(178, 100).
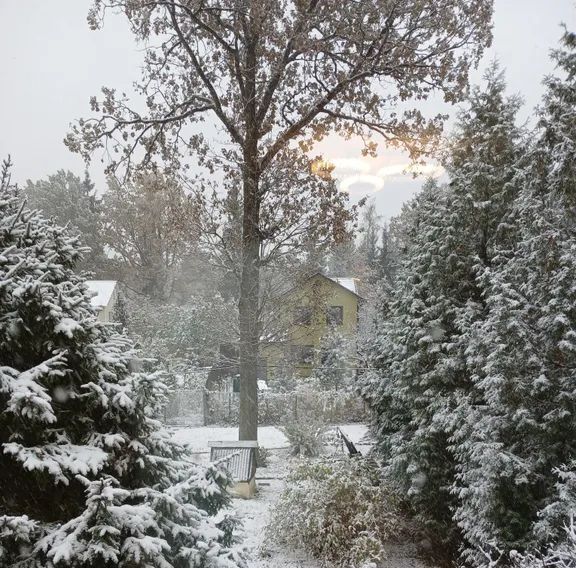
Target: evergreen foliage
point(334, 372)
point(517, 477)
point(368, 246)
point(473, 396)
point(425, 384)
point(89, 478)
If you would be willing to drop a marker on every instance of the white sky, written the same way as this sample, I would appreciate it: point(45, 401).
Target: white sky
point(51, 63)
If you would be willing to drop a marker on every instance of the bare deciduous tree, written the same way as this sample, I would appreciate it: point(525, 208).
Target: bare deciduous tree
point(275, 73)
point(150, 225)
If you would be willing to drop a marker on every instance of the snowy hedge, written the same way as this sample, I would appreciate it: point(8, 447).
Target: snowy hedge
point(474, 364)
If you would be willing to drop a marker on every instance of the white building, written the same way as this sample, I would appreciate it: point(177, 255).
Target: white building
point(104, 298)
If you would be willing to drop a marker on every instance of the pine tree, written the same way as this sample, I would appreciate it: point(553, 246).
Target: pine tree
point(424, 383)
point(387, 256)
point(517, 489)
point(343, 259)
point(89, 478)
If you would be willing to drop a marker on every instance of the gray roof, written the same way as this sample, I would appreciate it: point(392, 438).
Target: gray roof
point(238, 458)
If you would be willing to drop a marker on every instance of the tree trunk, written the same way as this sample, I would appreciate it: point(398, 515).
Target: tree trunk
point(250, 280)
point(249, 306)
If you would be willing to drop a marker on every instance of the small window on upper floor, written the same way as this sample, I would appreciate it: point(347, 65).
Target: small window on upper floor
point(303, 315)
point(335, 315)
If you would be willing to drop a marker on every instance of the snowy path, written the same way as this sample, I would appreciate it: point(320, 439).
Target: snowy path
point(255, 512)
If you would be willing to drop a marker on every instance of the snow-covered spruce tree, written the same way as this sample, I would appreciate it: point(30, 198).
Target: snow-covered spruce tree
point(424, 382)
point(511, 497)
point(88, 478)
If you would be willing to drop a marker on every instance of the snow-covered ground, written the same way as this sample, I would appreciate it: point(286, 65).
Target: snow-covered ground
point(269, 437)
point(197, 438)
point(255, 513)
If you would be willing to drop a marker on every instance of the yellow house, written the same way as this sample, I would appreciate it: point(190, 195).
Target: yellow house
point(307, 313)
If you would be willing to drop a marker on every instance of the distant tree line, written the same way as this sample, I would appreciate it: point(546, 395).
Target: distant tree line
point(175, 250)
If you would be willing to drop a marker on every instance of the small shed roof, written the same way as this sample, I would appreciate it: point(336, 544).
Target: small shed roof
point(239, 458)
point(102, 290)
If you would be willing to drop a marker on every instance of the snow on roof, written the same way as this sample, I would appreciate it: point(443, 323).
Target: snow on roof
point(348, 283)
point(238, 457)
point(102, 290)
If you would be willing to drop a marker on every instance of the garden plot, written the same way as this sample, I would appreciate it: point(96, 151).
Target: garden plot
point(255, 513)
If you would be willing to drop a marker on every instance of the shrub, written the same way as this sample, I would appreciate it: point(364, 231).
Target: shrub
point(262, 456)
point(558, 555)
point(337, 511)
point(305, 436)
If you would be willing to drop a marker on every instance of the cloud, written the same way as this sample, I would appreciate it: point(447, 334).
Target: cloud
point(354, 174)
point(402, 170)
point(375, 182)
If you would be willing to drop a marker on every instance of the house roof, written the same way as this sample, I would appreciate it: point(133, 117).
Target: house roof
point(348, 283)
point(102, 291)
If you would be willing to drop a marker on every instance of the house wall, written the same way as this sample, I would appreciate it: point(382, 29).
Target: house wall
point(316, 294)
point(106, 313)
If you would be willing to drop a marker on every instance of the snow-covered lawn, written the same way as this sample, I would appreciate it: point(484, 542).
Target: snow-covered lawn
point(269, 437)
point(197, 438)
point(255, 513)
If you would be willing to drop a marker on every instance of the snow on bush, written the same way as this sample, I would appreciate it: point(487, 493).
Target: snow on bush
point(337, 511)
point(88, 476)
point(560, 555)
point(305, 435)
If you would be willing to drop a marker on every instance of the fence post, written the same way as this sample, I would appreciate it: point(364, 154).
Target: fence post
point(295, 406)
point(333, 408)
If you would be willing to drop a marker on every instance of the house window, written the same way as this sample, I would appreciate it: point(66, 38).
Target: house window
point(303, 354)
point(303, 315)
point(335, 315)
